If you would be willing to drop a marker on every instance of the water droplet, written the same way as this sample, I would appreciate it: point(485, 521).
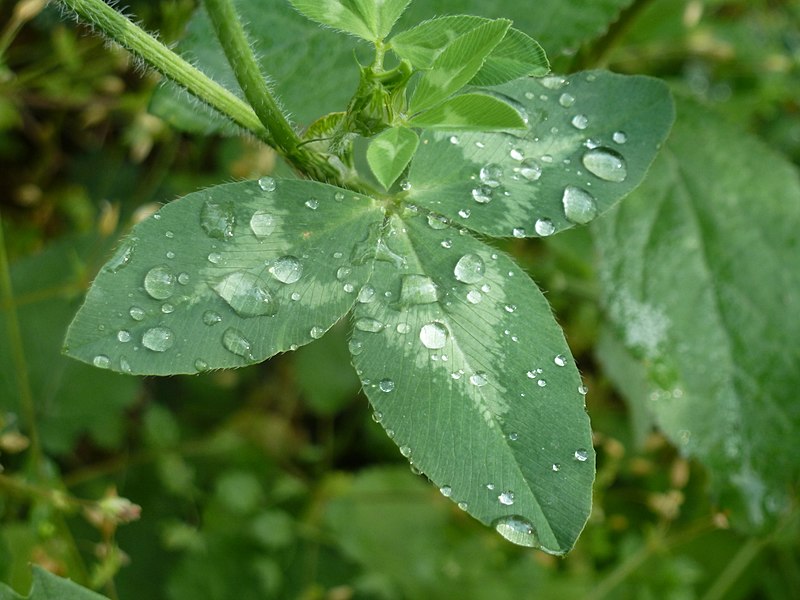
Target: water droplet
point(479, 379)
point(620, 137)
point(343, 273)
point(366, 294)
point(583, 390)
point(510, 308)
point(482, 194)
point(234, 341)
point(215, 258)
point(469, 268)
point(518, 232)
point(541, 383)
point(124, 336)
point(448, 243)
point(159, 283)
point(580, 121)
point(552, 82)
point(211, 318)
point(167, 308)
point(169, 234)
point(506, 498)
point(491, 175)
point(513, 437)
point(183, 278)
point(454, 139)
point(405, 185)
point(338, 196)
point(581, 455)
point(530, 169)
point(474, 297)
point(437, 222)
point(200, 365)
point(262, 224)
point(136, 313)
point(377, 416)
point(247, 294)
point(158, 339)
point(386, 385)
point(446, 491)
point(218, 219)
point(124, 365)
point(312, 203)
point(170, 254)
point(433, 335)
point(544, 227)
point(605, 163)
point(403, 328)
point(464, 213)
point(566, 100)
point(356, 347)
point(556, 467)
point(463, 505)
point(267, 184)
point(579, 205)
point(287, 269)
point(368, 325)
point(317, 332)
point(516, 154)
point(101, 361)
point(517, 531)
point(405, 451)
point(418, 289)
point(122, 256)
point(560, 360)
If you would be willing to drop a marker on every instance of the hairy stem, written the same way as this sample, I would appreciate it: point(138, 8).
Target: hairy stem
point(132, 37)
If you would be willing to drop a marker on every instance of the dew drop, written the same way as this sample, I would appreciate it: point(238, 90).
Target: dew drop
point(463, 505)
point(405, 185)
point(530, 169)
point(167, 308)
point(518, 232)
point(234, 341)
point(355, 346)
point(454, 139)
point(541, 383)
point(579, 205)
point(491, 175)
point(469, 268)
point(200, 365)
point(136, 313)
point(482, 194)
point(544, 227)
point(215, 258)
point(403, 328)
point(386, 385)
point(366, 294)
point(446, 491)
point(295, 296)
point(433, 335)
point(516, 154)
point(218, 219)
point(124, 365)
point(513, 437)
point(556, 467)
point(580, 121)
point(479, 379)
point(552, 82)
point(405, 451)
point(267, 184)
point(262, 224)
point(583, 390)
point(418, 289)
point(287, 269)
point(620, 137)
point(560, 360)
point(247, 294)
point(566, 100)
point(605, 163)
point(581, 455)
point(448, 243)
point(368, 325)
point(159, 283)
point(183, 278)
point(211, 318)
point(124, 335)
point(490, 486)
point(158, 339)
point(101, 361)
point(338, 196)
point(437, 222)
point(474, 297)
point(506, 498)
point(312, 203)
point(510, 308)
point(122, 257)
point(517, 530)
point(464, 213)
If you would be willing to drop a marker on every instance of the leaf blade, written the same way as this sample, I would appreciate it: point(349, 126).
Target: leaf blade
point(479, 112)
point(346, 15)
point(390, 152)
point(422, 44)
point(517, 55)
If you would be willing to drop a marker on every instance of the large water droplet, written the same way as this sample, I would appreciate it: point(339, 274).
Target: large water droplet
point(469, 268)
point(491, 175)
point(579, 205)
point(123, 335)
point(482, 194)
point(418, 289)
point(433, 335)
point(368, 325)
point(159, 283)
point(101, 361)
point(247, 294)
point(267, 184)
point(544, 227)
point(122, 256)
point(234, 341)
point(580, 121)
point(262, 223)
point(386, 385)
point(287, 269)
point(517, 530)
point(506, 498)
point(158, 339)
point(606, 163)
point(218, 218)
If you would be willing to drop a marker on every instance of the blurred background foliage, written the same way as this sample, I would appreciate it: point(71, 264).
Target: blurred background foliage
point(273, 481)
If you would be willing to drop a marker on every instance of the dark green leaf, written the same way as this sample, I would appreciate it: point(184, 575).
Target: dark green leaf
point(590, 139)
point(699, 276)
point(470, 375)
point(226, 277)
point(516, 56)
point(470, 112)
point(47, 586)
point(390, 152)
point(457, 64)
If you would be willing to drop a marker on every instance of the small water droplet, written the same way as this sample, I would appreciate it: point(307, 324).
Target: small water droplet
point(312, 203)
point(437, 222)
point(464, 213)
point(211, 318)
point(167, 308)
point(343, 272)
point(338, 196)
point(510, 308)
point(287, 269)
point(159, 283)
point(556, 467)
point(479, 379)
point(356, 347)
point(482, 194)
point(267, 184)
point(418, 289)
point(566, 100)
point(247, 294)
point(405, 451)
point(544, 227)
point(158, 339)
point(136, 313)
point(583, 390)
point(448, 243)
point(546, 158)
point(446, 491)
point(317, 332)
point(218, 219)
point(200, 365)
point(368, 325)
point(124, 335)
point(215, 258)
point(581, 455)
point(170, 254)
point(516, 154)
point(377, 416)
point(454, 139)
point(474, 297)
point(620, 137)
point(122, 256)
point(513, 437)
point(560, 360)
point(579, 205)
point(295, 296)
point(605, 163)
point(433, 335)
point(530, 169)
point(366, 294)
point(491, 175)
point(183, 278)
point(101, 361)
point(124, 365)
point(234, 341)
point(541, 383)
point(517, 530)
point(580, 121)
point(469, 268)
point(262, 224)
point(506, 498)
point(518, 232)
point(552, 82)
point(403, 328)
point(386, 385)
point(405, 185)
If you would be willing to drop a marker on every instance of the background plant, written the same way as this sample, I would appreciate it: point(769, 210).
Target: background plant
point(681, 570)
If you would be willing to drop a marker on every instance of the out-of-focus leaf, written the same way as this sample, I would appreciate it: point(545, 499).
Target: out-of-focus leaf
point(47, 586)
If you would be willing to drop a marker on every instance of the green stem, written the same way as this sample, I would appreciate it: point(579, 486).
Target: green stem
point(734, 570)
point(119, 29)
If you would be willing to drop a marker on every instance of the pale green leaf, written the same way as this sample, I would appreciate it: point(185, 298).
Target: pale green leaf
point(470, 112)
point(345, 15)
point(590, 140)
point(390, 152)
point(422, 44)
point(47, 586)
point(699, 279)
point(381, 15)
point(470, 375)
point(226, 277)
point(517, 55)
point(457, 64)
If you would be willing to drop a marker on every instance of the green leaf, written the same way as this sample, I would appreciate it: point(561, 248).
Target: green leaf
point(470, 375)
point(227, 277)
point(47, 586)
point(390, 152)
point(457, 64)
point(422, 44)
point(699, 278)
point(382, 15)
point(590, 140)
point(517, 55)
point(345, 15)
point(470, 112)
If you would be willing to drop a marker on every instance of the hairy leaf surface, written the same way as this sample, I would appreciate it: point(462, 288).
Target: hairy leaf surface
point(470, 112)
point(699, 276)
point(471, 376)
point(590, 140)
point(226, 277)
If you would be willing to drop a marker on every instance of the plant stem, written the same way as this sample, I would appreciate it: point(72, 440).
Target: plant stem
point(735, 568)
point(128, 35)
